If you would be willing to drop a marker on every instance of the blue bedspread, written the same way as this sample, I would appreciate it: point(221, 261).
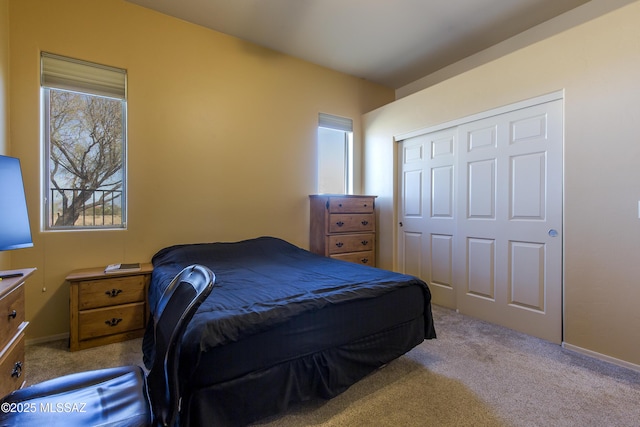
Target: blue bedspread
point(266, 281)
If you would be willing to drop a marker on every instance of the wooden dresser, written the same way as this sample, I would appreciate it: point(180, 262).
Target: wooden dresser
point(12, 327)
point(344, 227)
point(107, 308)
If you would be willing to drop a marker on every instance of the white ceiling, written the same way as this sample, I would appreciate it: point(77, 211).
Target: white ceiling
point(391, 42)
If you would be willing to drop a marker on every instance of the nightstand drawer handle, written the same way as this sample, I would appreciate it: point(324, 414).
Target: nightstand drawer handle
point(113, 292)
point(365, 242)
point(364, 260)
point(17, 370)
point(13, 314)
point(365, 222)
point(339, 223)
point(113, 322)
point(339, 244)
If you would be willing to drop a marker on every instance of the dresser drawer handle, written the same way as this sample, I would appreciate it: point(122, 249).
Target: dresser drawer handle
point(113, 292)
point(17, 370)
point(364, 222)
point(365, 242)
point(339, 223)
point(364, 260)
point(339, 244)
point(113, 322)
point(13, 314)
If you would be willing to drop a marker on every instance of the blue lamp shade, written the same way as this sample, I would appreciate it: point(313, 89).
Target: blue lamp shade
point(15, 232)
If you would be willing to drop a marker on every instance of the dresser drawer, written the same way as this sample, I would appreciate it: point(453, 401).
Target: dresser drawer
point(365, 258)
point(11, 314)
point(111, 291)
point(12, 367)
point(349, 223)
point(351, 205)
point(341, 243)
point(111, 320)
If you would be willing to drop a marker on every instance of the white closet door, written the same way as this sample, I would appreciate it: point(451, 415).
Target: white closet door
point(427, 211)
point(509, 231)
point(481, 217)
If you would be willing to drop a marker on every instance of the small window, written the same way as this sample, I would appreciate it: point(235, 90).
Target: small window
point(335, 154)
point(84, 133)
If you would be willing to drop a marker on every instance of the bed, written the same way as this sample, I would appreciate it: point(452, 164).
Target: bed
point(283, 326)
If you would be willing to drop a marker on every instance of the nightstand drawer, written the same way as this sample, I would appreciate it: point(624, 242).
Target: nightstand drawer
point(111, 320)
point(365, 258)
point(351, 205)
point(348, 223)
point(111, 291)
point(339, 244)
point(12, 367)
point(11, 314)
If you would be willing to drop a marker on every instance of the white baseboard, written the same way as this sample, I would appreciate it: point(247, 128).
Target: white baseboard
point(603, 357)
point(50, 338)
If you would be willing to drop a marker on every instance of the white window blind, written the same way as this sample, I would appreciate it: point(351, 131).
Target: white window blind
point(335, 122)
point(59, 72)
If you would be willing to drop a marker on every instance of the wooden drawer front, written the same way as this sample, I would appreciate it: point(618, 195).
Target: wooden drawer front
point(11, 314)
point(112, 320)
point(12, 367)
point(342, 243)
point(351, 205)
point(112, 291)
point(344, 223)
point(365, 258)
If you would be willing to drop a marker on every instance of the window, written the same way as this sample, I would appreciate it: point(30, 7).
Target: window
point(84, 131)
point(335, 154)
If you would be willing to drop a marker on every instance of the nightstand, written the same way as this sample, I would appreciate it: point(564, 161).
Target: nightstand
point(12, 327)
point(107, 308)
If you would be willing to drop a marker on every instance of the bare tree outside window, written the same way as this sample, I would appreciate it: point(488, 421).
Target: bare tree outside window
point(86, 159)
point(84, 112)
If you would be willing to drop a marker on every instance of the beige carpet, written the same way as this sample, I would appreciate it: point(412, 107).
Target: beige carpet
point(474, 374)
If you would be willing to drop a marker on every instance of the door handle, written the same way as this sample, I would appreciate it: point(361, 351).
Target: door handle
point(553, 232)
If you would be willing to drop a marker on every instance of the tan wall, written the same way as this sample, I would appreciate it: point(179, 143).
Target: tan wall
point(597, 65)
point(221, 136)
point(5, 257)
